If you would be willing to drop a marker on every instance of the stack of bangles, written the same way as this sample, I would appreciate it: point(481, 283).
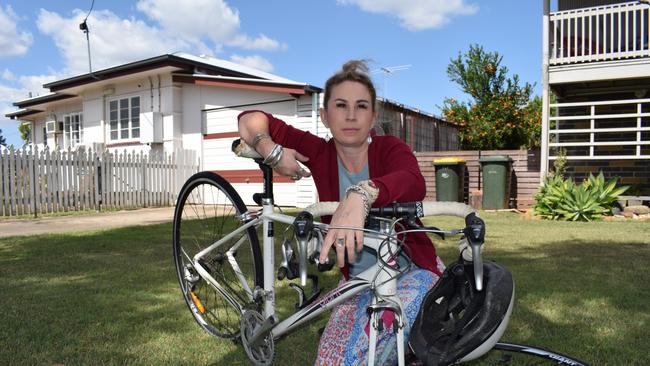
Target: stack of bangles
point(368, 193)
point(273, 158)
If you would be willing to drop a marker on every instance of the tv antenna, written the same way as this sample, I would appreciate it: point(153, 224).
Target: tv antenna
point(84, 27)
point(389, 71)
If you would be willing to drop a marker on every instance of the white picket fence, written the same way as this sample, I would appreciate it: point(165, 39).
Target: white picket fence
point(34, 182)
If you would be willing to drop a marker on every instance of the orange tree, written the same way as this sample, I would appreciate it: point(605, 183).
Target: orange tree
point(500, 113)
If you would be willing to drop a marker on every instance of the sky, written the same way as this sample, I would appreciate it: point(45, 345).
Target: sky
point(306, 41)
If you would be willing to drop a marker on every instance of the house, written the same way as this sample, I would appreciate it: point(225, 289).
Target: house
point(596, 89)
point(181, 101)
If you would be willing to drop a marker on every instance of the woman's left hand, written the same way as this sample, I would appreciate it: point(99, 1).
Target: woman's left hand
point(350, 213)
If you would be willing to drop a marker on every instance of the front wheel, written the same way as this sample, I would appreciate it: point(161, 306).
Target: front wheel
point(208, 209)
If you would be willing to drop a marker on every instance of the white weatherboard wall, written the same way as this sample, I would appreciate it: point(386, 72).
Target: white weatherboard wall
point(221, 108)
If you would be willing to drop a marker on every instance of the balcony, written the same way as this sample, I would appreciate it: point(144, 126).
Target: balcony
point(604, 33)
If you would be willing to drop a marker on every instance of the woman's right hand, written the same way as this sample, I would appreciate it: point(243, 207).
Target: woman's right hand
point(288, 164)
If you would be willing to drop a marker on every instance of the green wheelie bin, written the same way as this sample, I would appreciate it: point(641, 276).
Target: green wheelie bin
point(496, 181)
point(450, 173)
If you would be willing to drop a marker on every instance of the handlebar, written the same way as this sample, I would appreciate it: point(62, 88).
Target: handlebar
point(416, 209)
point(474, 226)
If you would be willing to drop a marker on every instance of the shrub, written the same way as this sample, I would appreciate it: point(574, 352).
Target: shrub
point(561, 199)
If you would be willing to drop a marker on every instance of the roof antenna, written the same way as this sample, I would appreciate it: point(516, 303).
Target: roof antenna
point(84, 27)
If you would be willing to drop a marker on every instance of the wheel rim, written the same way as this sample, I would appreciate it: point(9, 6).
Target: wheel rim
point(206, 212)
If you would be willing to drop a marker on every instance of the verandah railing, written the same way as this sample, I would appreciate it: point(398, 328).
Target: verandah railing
point(35, 182)
point(602, 130)
point(600, 33)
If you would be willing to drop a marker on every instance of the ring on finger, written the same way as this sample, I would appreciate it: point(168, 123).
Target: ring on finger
point(296, 177)
point(340, 242)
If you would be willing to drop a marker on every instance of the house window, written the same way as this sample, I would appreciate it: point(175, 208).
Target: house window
point(44, 136)
point(124, 118)
point(72, 131)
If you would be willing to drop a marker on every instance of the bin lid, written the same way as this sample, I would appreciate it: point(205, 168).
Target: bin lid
point(448, 161)
point(495, 159)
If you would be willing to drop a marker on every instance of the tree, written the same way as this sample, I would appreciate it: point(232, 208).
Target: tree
point(25, 130)
point(500, 114)
point(3, 142)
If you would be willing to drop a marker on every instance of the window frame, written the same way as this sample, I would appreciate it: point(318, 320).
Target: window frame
point(133, 127)
point(68, 123)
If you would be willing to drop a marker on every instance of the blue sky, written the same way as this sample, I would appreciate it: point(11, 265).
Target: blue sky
point(306, 41)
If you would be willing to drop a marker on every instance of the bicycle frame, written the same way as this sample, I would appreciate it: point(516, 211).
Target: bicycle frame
point(382, 278)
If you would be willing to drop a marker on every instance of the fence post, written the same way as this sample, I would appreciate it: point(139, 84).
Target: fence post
point(34, 177)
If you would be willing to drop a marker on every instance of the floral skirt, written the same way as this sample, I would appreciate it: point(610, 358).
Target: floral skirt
point(345, 338)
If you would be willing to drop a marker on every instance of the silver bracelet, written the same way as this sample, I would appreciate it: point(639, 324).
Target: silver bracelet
point(274, 156)
point(259, 137)
point(364, 196)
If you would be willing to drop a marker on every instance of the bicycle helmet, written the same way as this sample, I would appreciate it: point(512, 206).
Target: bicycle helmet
point(455, 322)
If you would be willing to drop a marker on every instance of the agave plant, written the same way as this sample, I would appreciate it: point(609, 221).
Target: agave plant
point(560, 199)
point(607, 192)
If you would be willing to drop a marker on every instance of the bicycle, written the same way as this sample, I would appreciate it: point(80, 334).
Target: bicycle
point(228, 282)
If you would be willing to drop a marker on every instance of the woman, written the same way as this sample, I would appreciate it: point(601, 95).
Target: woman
point(360, 171)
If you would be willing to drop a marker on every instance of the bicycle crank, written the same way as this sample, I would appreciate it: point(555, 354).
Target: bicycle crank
point(260, 351)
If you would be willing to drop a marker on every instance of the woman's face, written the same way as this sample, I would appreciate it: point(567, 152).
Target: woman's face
point(349, 114)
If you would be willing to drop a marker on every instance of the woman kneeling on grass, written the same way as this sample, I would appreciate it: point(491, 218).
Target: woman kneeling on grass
point(360, 171)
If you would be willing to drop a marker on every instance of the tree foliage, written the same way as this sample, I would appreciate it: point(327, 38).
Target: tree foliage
point(25, 130)
point(3, 141)
point(500, 113)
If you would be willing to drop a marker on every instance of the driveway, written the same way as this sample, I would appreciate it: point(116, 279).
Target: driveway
point(91, 221)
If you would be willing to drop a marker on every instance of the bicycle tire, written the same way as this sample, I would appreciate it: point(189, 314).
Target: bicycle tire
point(205, 212)
point(513, 354)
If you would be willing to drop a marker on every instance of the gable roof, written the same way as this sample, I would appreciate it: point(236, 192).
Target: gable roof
point(182, 62)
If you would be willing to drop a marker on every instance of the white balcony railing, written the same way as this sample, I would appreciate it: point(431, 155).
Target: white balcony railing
point(603, 130)
point(612, 32)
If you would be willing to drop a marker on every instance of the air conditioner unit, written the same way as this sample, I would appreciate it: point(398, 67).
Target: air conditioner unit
point(98, 147)
point(53, 126)
point(151, 127)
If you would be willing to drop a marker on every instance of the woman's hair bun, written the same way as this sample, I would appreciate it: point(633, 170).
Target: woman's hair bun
point(360, 66)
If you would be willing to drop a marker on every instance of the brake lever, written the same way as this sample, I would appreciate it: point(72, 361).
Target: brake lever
point(414, 225)
point(303, 226)
point(475, 234)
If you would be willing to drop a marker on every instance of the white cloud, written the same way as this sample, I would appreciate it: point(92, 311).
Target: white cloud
point(9, 94)
point(9, 128)
point(8, 75)
point(13, 42)
point(262, 42)
point(34, 83)
point(198, 19)
point(417, 15)
point(113, 40)
point(255, 61)
point(195, 18)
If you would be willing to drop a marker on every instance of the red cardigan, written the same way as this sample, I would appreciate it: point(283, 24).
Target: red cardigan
point(391, 166)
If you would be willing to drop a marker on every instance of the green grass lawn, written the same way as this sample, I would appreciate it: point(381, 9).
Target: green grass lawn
point(111, 297)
